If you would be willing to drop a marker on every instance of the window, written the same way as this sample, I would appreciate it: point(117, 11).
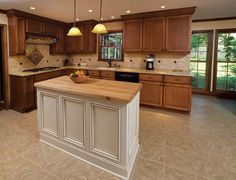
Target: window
point(225, 63)
point(111, 46)
point(200, 59)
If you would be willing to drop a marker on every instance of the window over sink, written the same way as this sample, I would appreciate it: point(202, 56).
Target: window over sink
point(111, 46)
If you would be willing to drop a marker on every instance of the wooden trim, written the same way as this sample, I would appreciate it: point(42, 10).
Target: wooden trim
point(99, 47)
point(215, 19)
point(113, 20)
point(14, 12)
point(5, 67)
point(163, 13)
point(2, 11)
point(215, 91)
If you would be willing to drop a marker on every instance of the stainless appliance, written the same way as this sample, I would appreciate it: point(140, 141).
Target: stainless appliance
point(150, 62)
point(126, 76)
point(44, 39)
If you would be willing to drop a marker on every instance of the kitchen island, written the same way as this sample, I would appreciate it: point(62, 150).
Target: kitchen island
point(96, 121)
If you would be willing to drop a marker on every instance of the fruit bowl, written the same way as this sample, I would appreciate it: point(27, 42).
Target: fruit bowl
point(78, 77)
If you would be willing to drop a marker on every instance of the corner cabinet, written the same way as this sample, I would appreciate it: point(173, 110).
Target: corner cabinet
point(16, 35)
point(132, 37)
point(178, 31)
point(57, 48)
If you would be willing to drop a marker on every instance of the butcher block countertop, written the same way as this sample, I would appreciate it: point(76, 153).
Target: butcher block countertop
point(96, 88)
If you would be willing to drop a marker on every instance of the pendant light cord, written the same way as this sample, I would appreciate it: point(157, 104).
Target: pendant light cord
point(74, 11)
point(100, 11)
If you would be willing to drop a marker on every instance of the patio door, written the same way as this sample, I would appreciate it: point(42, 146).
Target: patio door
point(225, 62)
point(201, 59)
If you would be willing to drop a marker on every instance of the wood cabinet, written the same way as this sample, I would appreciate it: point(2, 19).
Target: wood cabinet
point(132, 37)
point(94, 74)
point(109, 75)
point(22, 93)
point(151, 93)
point(48, 75)
point(171, 33)
point(57, 48)
point(16, 35)
point(33, 26)
point(178, 31)
point(154, 34)
point(49, 29)
point(177, 93)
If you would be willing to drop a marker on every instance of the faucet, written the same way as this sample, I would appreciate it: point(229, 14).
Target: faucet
point(109, 62)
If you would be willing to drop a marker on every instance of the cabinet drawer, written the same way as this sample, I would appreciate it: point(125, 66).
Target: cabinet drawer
point(150, 77)
point(93, 73)
point(178, 79)
point(45, 76)
point(109, 74)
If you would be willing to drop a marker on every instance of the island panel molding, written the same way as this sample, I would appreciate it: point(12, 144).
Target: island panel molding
point(73, 111)
point(102, 132)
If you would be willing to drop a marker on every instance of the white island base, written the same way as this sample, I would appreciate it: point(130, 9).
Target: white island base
point(101, 132)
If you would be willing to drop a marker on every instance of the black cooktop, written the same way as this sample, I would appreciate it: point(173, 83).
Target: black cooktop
point(40, 69)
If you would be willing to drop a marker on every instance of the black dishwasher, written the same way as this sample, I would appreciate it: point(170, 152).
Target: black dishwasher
point(127, 76)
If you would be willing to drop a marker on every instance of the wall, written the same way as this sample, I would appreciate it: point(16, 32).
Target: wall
point(177, 61)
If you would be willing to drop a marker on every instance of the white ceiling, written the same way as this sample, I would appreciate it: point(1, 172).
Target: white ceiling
point(63, 9)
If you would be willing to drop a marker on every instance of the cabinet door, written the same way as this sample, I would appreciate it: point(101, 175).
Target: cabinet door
point(151, 93)
point(177, 96)
point(49, 29)
point(57, 48)
point(34, 26)
point(69, 42)
point(86, 39)
point(16, 35)
point(154, 34)
point(132, 36)
point(178, 29)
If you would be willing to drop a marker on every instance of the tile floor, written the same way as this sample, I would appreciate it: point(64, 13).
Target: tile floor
point(174, 146)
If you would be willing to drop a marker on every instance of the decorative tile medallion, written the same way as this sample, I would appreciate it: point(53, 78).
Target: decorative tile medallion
point(35, 56)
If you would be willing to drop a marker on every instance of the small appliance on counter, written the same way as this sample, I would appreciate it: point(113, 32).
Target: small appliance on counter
point(150, 62)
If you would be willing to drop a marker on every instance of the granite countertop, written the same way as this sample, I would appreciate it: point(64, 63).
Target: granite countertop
point(96, 88)
point(137, 70)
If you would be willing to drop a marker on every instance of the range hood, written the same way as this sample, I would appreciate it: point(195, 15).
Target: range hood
point(35, 38)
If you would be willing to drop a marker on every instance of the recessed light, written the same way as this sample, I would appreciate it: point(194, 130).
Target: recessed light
point(101, 19)
point(90, 10)
point(163, 7)
point(128, 11)
point(32, 8)
point(112, 17)
point(77, 19)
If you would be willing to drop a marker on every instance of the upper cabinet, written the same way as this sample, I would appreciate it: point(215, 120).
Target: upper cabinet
point(16, 35)
point(133, 35)
point(178, 31)
point(34, 26)
point(57, 48)
point(154, 34)
point(158, 31)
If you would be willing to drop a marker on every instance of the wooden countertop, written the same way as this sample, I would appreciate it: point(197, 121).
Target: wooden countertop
point(137, 70)
point(97, 88)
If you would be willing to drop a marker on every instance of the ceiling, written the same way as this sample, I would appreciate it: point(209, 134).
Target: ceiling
point(63, 9)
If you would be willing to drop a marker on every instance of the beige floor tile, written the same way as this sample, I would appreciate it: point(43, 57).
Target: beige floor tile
point(177, 174)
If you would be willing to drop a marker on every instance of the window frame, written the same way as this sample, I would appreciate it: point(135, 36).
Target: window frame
point(218, 91)
point(100, 47)
point(208, 62)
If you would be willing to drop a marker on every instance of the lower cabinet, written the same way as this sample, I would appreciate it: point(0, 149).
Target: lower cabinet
point(177, 96)
point(94, 74)
point(151, 93)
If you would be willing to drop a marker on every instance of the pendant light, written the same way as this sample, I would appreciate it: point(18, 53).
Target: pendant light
point(74, 31)
point(100, 28)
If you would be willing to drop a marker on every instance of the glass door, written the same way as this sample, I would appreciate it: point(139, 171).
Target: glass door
point(225, 61)
point(201, 55)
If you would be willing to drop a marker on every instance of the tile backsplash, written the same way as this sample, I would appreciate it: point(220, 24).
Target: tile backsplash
point(177, 61)
point(169, 61)
point(20, 63)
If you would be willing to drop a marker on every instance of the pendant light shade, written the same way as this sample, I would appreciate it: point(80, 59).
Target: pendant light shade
point(100, 28)
point(74, 31)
